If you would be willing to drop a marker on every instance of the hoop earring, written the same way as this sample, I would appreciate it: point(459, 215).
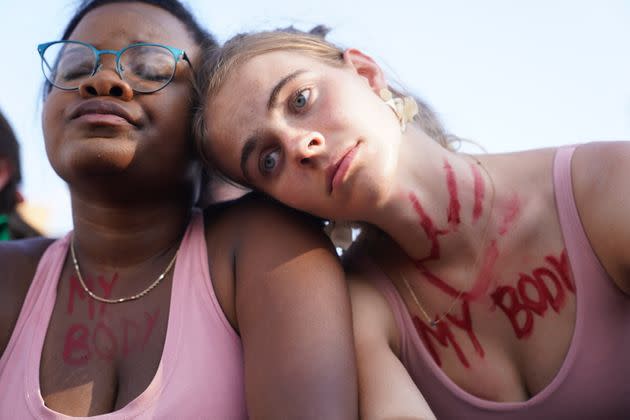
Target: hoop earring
point(405, 108)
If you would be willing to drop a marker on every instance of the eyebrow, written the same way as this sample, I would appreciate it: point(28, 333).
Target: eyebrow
point(273, 97)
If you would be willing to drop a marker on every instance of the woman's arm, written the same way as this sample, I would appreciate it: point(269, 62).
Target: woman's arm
point(386, 391)
point(294, 317)
point(601, 183)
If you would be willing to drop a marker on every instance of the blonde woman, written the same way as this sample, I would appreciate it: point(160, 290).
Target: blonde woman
point(487, 286)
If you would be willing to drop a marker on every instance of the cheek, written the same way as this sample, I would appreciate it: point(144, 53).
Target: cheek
point(170, 123)
point(52, 123)
point(173, 111)
point(351, 108)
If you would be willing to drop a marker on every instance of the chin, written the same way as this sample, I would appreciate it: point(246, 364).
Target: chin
point(95, 158)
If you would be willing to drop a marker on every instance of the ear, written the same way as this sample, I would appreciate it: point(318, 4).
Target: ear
point(6, 171)
point(366, 67)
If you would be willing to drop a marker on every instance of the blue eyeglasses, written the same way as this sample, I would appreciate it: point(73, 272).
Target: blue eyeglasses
point(146, 67)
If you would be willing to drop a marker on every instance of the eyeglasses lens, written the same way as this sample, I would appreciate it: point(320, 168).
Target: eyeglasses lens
point(147, 68)
point(67, 64)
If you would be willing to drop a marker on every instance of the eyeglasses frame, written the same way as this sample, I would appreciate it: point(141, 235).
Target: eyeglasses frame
point(178, 54)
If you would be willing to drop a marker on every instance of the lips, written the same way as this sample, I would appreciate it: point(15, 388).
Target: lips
point(338, 170)
point(103, 112)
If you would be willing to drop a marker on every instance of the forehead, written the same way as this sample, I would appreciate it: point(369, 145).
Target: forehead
point(117, 24)
point(245, 92)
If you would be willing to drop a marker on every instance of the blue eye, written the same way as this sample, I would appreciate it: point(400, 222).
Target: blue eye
point(269, 161)
point(301, 99)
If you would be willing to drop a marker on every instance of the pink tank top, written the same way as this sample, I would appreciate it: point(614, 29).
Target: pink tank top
point(200, 374)
point(594, 379)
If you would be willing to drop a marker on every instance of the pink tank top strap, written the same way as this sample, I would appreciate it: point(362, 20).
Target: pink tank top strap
point(578, 246)
point(383, 284)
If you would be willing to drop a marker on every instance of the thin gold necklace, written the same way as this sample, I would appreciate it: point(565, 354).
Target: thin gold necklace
point(123, 299)
point(437, 320)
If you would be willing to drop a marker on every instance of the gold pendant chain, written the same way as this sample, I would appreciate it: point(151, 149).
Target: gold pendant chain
point(437, 320)
point(123, 299)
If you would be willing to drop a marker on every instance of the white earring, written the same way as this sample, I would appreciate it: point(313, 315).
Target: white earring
point(405, 108)
point(340, 234)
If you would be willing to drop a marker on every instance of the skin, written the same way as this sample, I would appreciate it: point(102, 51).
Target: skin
point(132, 185)
point(464, 231)
point(6, 171)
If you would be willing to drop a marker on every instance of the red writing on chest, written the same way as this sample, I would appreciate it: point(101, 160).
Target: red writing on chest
point(76, 291)
point(534, 294)
point(482, 280)
point(106, 338)
point(444, 335)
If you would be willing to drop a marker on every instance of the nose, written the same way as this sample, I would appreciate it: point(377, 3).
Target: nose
point(106, 82)
point(308, 147)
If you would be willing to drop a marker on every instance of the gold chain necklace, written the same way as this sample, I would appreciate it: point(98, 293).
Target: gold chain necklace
point(123, 299)
point(437, 320)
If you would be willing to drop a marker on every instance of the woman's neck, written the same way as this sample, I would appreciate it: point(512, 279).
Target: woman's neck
point(116, 236)
point(443, 204)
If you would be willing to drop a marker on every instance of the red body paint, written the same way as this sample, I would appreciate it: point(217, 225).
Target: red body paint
point(76, 351)
point(104, 342)
point(484, 277)
point(465, 323)
point(76, 290)
point(107, 289)
point(429, 228)
point(482, 282)
point(479, 191)
point(107, 340)
point(562, 267)
point(510, 215)
point(454, 205)
point(131, 333)
point(436, 281)
point(536, 303)
point(520, 304)
point(513, 309)
point(555, 300)
point(110, 337)
point(533, 295)
point(444, 336)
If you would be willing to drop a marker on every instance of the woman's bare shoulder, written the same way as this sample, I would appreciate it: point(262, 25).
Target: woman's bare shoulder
point(245, 233)
point(18, 262)
point(600, 173)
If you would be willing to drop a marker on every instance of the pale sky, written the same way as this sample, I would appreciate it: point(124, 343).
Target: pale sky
point(511, 75)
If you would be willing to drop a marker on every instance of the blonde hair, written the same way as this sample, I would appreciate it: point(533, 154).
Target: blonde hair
point(239, 49)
